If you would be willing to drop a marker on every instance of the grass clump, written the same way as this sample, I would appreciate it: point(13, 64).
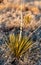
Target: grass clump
point(27, 18)
point(19, 47)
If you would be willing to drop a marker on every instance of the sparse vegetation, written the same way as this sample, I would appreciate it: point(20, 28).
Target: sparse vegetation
point(19, 19)
point(19, 47)
point(27, 18)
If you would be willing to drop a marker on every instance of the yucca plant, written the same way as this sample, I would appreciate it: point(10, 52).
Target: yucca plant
point(19, 47)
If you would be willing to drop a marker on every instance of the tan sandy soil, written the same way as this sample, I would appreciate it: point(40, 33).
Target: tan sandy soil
point(24, 7)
